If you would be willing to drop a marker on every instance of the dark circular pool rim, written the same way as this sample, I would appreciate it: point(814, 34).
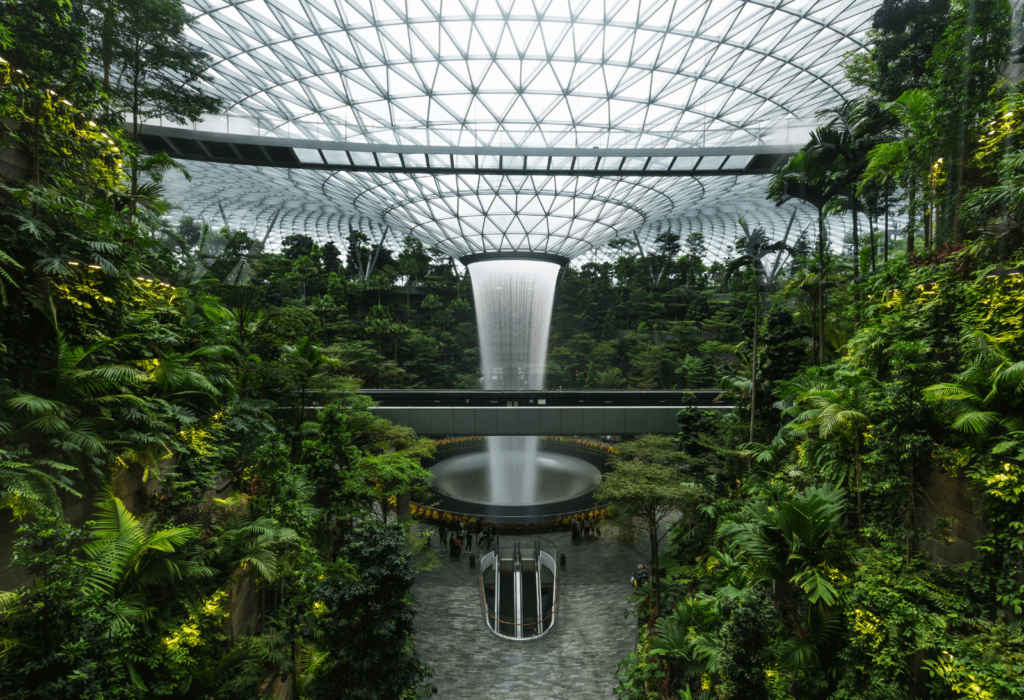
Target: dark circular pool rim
point(535, 513)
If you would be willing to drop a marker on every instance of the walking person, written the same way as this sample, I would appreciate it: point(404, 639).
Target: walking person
point(575, 531)
point(451, 547)
point(458, 548)
point(469, 542)
point(442, 533)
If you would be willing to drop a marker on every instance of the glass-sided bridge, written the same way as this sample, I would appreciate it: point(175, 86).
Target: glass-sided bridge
point(540, 412)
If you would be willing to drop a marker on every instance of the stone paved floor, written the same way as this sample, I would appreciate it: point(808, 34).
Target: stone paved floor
point(576, 659)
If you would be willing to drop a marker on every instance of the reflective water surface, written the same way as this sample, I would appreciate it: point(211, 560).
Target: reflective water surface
point(558, 477)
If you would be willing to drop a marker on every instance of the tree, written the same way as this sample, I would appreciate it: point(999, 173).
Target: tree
point(753, 247)
point(801, 251)
point(966, 65)
point(297, 245)
point(151, 69)
point(746, 648)
point(903, 35)
point(323, 306)
point(433, 303)
point(304, 267)
point(379, 283)
point(44, 42)
point(908, 160)
point(643, 492)
point(393, 474)
point(791, 546)
point(844, 141)
point(805, 177)
point(332, 258)
point(369, 625)
point(308, 362)
point(413, 264)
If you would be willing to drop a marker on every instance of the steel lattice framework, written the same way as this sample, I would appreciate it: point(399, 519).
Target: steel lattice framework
point(484, 78)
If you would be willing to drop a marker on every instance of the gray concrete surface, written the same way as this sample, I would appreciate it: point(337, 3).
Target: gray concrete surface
point(576, 659)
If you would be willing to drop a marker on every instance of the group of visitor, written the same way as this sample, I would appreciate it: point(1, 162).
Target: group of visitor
point(462, 537)
point(455, 540)
point(585, 527)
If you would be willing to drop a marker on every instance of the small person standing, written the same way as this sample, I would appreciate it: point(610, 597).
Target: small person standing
point(458, 548)
point(442, 533)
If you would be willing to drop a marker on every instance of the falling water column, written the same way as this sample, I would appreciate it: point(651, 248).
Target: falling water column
point(513, 299)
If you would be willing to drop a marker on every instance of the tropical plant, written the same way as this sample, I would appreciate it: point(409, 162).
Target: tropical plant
point(244, 543)
point(130, 553)
point(790, 545)
point(66, 423)
point(835, 407)
point(844, 142)
point(32, 486)
point(753, 247)
point(985, 398)
point(910, 157)
point(805, 176)
point(686, 640)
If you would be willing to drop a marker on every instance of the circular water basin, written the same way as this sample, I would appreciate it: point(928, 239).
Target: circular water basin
point(559, 477)
point(563, 482)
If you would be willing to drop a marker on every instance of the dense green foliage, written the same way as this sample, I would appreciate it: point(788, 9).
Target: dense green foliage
point(793, 562)
point(111, 374)
point(803, 571)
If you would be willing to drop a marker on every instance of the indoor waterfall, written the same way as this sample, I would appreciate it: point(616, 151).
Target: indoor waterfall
point(513, 308)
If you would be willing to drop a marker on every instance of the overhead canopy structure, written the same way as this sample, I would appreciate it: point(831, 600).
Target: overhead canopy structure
point(544, 126)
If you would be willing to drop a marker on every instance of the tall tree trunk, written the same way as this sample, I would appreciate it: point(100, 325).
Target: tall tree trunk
point(910, 506)
point(928, 230)
point(36, 138)
point(655, 569)
point(821, 287)
point(856, 266)
point(856, 246)
point(860, 508)
point(913, 220)
point(136, 107)
point(874, 247)
point(885, 254)
point(753, 359)
point(954, 215)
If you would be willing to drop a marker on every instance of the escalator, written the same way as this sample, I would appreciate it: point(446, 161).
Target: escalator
point(518, 592)
point(530, 617)
point(507, 597)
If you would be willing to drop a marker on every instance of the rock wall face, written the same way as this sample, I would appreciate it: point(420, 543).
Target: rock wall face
point(945, 496)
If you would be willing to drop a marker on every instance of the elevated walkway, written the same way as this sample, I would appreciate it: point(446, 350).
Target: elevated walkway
point(509, 413)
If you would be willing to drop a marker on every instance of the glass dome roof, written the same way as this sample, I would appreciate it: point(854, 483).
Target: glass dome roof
point(580, 74)
point(608, 73)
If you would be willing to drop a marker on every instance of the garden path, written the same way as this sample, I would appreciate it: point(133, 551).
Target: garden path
point(576, 659)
